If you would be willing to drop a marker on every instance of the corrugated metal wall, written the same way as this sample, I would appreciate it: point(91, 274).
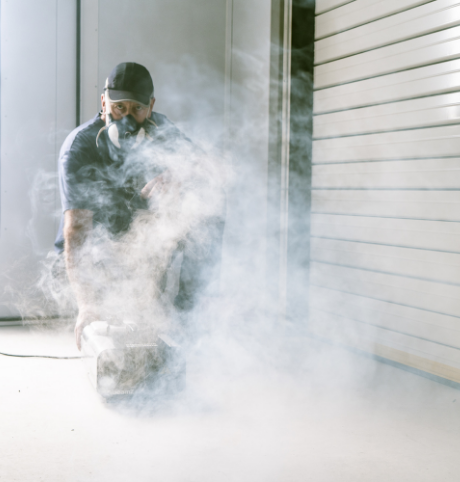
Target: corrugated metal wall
point(385, 273)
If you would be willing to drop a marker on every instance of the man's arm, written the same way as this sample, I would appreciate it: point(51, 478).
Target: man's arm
point(78, 225)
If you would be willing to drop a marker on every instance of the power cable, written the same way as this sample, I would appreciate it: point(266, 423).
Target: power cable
point(42, 356)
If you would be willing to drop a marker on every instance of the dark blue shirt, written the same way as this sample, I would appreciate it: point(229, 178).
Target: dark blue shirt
point(109, 189)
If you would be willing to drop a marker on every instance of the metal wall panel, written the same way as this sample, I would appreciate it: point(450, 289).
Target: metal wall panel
point(415, 263)
point(402, 319)
point(38, 111)
point(424, 81)
point(363, 336)
point(422, 234)
point(359, 13)
point(386, 181)
point(428, 18)
point(419, 174)
point(325, 5)
point(408, 144)
point(90, 91)
point(417, 293)
point(416, 204)
point(436, 110)
point(428, 49)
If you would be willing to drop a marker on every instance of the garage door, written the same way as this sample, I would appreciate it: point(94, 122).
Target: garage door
point(385, 272)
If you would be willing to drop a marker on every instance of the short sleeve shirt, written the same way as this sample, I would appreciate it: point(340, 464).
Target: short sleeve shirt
point(91, 181)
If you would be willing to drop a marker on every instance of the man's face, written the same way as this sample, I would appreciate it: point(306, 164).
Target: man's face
point(123, 108)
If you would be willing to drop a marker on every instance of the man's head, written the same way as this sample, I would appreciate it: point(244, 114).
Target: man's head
point(128, 91)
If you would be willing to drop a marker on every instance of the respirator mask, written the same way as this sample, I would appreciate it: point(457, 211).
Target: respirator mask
point(121, 137)
point(125, 133)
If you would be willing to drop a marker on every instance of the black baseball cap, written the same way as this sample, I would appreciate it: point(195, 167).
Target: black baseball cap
point(130, 81)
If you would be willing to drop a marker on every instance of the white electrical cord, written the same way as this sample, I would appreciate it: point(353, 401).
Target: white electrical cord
point(41, 356)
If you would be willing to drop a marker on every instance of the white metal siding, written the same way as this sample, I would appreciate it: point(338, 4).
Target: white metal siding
point(386, 180)
point(38, 111)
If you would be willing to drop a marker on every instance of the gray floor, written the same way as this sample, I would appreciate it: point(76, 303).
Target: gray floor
point(339, 417)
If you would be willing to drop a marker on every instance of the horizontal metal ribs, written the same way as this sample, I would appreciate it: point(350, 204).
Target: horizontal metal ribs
point(386, 176)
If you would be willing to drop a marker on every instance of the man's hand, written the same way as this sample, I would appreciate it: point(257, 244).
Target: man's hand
point(85, 317)
point(158, 186)
point(77, 229)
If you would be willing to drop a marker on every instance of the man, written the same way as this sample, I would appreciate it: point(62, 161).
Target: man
point(105, 180)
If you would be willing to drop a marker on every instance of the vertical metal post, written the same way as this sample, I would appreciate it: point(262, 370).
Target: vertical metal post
point(285, 139)
point(78, 66)
point(1, 73)
point(228, 77)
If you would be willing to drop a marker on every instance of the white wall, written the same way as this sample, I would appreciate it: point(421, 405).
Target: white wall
point(182, 43)
point(248, 72)
point(37, 111)
point(189, 47)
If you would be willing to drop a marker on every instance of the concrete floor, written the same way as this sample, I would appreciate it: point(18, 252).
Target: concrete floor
point(339, 417)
